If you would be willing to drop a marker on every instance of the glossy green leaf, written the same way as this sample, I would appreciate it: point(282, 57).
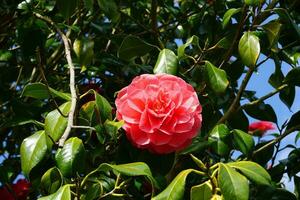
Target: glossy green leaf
point(220, 131)
point(273, 30)
point(194, 40)
point(252, 2)
point(112, 128)
point(33, 149)
point(202, 191)
point(51, 181)
point(94, 191)
point(234, 186)
point(64, 193)
point(228, 14)
point(67, 7)
point(217, 78)
point(293, 77)
point(55, 123)
point(133, 47)
point(110, 9)
point(130, 169)
point(262, 112)
point(249, 49)
point(252, 171)
point(40, 91)
point(218, 139)
point(287, 96)
point(71, 158)
point(243, 141)
point(84, 50)
point(167, 62)
point(294, 121)
point(175, 189)
point(103, 107)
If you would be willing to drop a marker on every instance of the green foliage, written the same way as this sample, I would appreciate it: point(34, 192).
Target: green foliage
point(206, 43)
point(71, 158)
point(55, 123)
point(167, 62)
point(233, 185)
point(249, 49)
point(33, 150)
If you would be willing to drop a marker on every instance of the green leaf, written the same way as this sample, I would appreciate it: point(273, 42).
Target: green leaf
point(218, 139)
point(103, 107)
point(167, 62)
point(71, 158)
point(130, 169)
point(287, 96)
point(51, 181)
point(228, 14)
point(64, 193)
point(175, 189)
point(202, 191)
point(192, 40)
point(112, 128)
point(249, 49)
point(110, 9)
point(220, 131)
point(67, 7)
point(40, 91)
point(294, 121)
point(262, 112)
point(243, 141)
point(273, 30)
point(234, 186)
point(297, 186)
point(293, 77)
point(55, 123)
point(84, 50)
point(252, 171)
point(133, 47)
point(33, 149)
point(217, 78)
point(252, 2)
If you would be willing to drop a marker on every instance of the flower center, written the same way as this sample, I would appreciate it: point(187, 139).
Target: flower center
point(161, 102)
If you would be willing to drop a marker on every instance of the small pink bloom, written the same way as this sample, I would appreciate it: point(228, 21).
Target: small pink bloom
point(261, 127)
point(162, 112)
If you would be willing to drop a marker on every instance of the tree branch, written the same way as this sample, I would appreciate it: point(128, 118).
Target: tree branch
point(72, 78)
point(278, 139)
point(261, 99)
point(235, 104)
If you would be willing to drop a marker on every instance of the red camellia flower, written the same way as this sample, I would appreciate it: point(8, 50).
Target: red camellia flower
point(261, 127)
point(161, 112)
point(20, 190)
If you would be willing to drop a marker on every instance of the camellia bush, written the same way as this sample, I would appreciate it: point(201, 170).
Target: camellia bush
point(148, 99)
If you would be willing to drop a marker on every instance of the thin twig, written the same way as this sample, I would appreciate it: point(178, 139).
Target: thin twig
point(41, 68)
point(236, 36)
point(261, 99)
point(84, 127)
point(278, 139)
point(153, 15)
point(235, 104)
point(72, 78)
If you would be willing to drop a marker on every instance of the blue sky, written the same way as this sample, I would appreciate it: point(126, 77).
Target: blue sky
point(259, 83)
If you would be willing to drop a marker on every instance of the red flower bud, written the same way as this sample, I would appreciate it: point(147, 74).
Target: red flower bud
point(260, 128)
